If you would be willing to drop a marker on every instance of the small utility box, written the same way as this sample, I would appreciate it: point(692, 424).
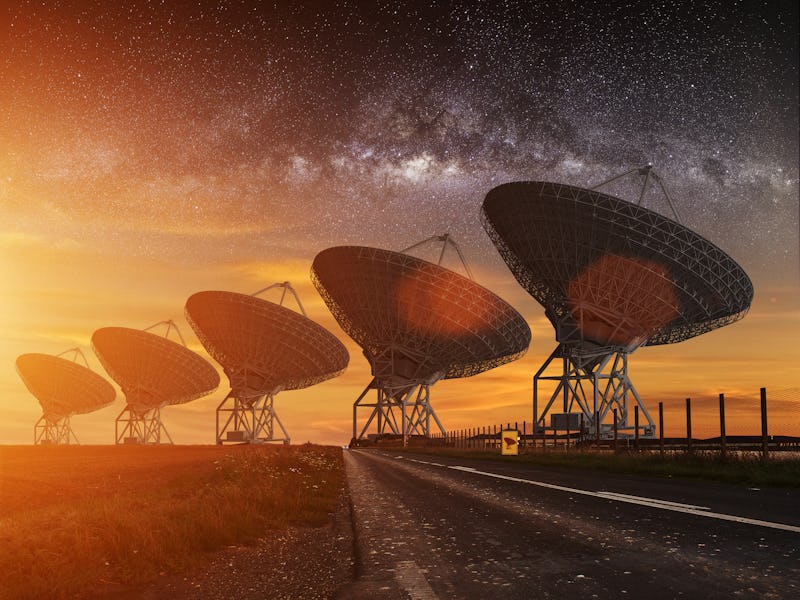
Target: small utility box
point(509, 442)
point(565, 421)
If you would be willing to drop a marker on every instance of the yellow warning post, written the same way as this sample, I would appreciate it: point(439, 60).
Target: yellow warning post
point(509, 442)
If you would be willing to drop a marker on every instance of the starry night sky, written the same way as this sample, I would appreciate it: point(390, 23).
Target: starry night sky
point(154, 149)
point(384, 123)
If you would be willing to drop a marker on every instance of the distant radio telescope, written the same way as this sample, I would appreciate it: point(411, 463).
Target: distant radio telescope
point(417, 323)
point(612, 276)
point(153, 372)
point(264, 348)
point(63, 388)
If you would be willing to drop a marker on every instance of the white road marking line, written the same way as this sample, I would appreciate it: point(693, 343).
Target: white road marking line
point(615, 495)
point(412, 580)
point(653, 503)
point(422, 462)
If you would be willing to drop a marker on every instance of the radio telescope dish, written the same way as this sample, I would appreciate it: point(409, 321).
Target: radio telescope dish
point(63, 388)
point(263, 348)
point(417, 323)
point(153, 372)
point(612, 276)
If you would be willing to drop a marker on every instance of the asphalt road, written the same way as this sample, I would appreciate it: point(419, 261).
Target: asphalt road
point(431, 527)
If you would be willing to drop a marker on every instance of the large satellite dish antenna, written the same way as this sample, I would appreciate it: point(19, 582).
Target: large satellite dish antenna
point(64, 388)
point(417, 323)
point(153, 372)
point(264, 348)
point(612, 276)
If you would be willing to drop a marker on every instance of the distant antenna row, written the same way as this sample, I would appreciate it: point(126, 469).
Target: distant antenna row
point(611, 275)
point(262, 346)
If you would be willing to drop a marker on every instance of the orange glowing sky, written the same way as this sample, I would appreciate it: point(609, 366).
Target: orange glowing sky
point(149, 154)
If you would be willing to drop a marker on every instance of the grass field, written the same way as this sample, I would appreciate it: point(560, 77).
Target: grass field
point(746, 469)
point(75, 520)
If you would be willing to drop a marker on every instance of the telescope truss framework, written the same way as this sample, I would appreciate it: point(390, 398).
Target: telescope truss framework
point(249, 421)
point(646, 173)
point(132, 427)
point(595, 384)
point(47, 432)
point(63, 387)
point(548, 234)
point(417, 322)
point(446, 241)
point(264, 348)
point(404, 411)
point(612, 276)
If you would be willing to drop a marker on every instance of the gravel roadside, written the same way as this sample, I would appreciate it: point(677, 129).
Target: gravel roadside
point(299, 562)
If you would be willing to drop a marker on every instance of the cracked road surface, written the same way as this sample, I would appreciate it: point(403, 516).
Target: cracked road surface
point(438, 527)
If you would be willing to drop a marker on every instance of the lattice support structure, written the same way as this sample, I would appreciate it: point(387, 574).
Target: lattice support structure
point(417, 322)
point(592, 384)
point(405, 411)
point(249, 421)
point(132, 427)
point(47, 432)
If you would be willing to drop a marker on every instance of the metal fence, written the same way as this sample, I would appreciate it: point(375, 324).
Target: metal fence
point(723, 424)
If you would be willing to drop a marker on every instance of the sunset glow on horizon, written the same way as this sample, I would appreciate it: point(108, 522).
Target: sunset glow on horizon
point(151, 153)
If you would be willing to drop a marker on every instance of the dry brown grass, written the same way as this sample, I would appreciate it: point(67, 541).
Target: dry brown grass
point(74, 520)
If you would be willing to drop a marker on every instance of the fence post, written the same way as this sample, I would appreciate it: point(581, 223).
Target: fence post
point(597, 429)
point(569, 433)
point(764, 441)
point(615, 430)
point(525, 445)
point(661, 427)
point(722, 442)
point(636, 426)
point(689, 425)
point(535, 416)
